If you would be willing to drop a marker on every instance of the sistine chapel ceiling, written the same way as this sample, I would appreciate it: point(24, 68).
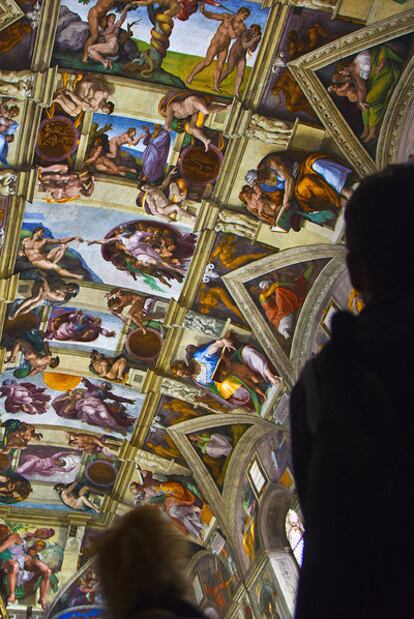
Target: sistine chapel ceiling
point(173, 175)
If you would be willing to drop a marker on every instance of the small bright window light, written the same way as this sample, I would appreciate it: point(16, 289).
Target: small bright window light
point(257, 476)
point(295, 532)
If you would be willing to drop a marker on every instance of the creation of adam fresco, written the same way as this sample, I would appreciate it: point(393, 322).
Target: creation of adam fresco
point(173, 178)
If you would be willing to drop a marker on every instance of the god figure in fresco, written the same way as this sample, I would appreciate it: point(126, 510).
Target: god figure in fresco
point(234, 374)
point(148, 248)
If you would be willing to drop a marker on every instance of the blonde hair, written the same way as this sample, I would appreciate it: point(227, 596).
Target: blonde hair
point(151, 554)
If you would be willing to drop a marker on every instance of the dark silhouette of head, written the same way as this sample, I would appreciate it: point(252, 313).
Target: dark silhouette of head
point(150, 547)
point(379, 227)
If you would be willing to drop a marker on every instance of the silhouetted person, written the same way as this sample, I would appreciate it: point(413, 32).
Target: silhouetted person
point(141, 562)
point(352, 417)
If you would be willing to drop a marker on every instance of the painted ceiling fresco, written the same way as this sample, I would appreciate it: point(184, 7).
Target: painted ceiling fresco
point(173, 176)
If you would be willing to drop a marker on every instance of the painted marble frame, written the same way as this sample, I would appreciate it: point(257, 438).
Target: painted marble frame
point(236, 280)
point(398, 125)
point(304, 70)
point(9, 13)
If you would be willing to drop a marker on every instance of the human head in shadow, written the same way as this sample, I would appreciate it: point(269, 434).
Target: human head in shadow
point(379, 221)
point(147, 578)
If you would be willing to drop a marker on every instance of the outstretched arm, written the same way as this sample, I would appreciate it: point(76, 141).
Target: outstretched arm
point(210, 15)
point(92, 159)
point(103, 241)
point(12, 539)
point(168, 178)
point(122, 17)
point(222, 344)
point(67, 239)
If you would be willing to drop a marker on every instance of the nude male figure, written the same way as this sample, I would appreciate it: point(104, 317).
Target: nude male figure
point(231, 27)
point(162, 206)
point(90, 95)
point(139, 307)
point(95, 14)
point(37, 361)
point(68, 497)
point(64, 184)
point(128, 137)
point(246, 42)
point(106, 367)
point(189, 108)
point(104, 163)
point(33, 248)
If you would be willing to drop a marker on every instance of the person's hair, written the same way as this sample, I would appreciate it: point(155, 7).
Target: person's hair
point(111, 15)
point(379, 221)
point(71, 290)
point(54, 362)
point(38, 229)
point(246, 190)
point(177, 366)
point(110, 105)
point(244, 9)
point(256, 27)
point(22, 487)
point(131, 130)
point(149, 572)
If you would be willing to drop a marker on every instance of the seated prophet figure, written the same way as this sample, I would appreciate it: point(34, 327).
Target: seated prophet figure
point(15, 560)
point(233, 375)
point(314, 187)
point(369, 81)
